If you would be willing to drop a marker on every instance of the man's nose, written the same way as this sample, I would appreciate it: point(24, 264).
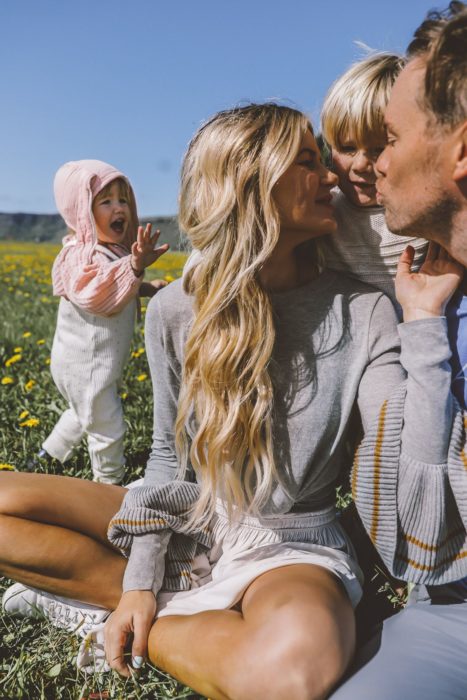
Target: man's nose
point(381, 164)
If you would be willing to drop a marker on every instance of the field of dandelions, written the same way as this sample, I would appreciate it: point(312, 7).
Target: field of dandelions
point(37, 660)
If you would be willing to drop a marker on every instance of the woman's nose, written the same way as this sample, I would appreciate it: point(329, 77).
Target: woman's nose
point(330, 178)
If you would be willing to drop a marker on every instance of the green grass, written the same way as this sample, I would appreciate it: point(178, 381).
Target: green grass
point(37, 660)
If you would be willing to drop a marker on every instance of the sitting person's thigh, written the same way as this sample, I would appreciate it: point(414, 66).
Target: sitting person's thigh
point(78, 504)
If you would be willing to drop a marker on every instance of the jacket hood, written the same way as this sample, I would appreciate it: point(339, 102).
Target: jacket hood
point(75, 185)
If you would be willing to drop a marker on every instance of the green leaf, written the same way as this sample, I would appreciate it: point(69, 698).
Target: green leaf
point(54, 671)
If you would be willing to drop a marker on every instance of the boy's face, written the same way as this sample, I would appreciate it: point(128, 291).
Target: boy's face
point(354, 164)
point(111, 212)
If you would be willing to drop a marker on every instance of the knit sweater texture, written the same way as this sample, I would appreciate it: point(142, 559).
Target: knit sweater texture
point(363, 246)
point(413, 502)
point(336, 346)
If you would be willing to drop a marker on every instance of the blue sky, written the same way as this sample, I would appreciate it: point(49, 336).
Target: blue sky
point(130, 82)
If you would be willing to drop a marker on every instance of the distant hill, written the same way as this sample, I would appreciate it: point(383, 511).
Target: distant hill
point(51, 228)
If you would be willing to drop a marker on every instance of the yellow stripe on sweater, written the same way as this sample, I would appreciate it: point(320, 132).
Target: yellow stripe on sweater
point(377, 470)
point(433, 547)
point(355, 473)
point(137, 523)
point(426, 567)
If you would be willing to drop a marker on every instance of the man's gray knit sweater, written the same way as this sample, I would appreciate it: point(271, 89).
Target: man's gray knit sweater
point(336, 346)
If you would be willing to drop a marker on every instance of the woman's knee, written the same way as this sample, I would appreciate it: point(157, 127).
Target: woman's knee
point(295, 658)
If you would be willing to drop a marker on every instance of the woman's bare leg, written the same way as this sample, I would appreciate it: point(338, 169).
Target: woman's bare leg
point(53, 536)
point(294, 638)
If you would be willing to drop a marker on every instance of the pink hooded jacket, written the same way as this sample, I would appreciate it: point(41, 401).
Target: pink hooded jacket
point(82, 272)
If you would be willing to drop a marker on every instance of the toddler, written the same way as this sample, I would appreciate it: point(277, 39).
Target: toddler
point(353, 126)
point(99, 275)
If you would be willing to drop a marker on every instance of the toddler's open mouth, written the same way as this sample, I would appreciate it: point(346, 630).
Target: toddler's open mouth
point(118, 225)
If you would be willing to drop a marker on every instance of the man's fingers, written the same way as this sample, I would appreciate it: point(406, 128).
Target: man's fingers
point(405, 261)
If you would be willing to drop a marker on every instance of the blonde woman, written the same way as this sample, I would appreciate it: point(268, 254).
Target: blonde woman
point(257, 361)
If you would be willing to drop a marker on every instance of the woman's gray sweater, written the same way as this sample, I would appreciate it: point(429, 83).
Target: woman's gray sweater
point(337, 347)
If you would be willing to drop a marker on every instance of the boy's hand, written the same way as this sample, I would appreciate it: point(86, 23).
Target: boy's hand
point(148, 289)
point(143, 250)
point(425, 294)
point(133, 618)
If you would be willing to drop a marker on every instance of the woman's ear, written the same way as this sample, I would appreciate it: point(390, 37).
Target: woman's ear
point(460, 168)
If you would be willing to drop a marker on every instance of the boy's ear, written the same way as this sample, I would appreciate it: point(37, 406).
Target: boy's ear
point(460, 168)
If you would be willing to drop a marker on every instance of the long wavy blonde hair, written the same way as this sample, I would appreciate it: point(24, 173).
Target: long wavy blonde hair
point(227, 211)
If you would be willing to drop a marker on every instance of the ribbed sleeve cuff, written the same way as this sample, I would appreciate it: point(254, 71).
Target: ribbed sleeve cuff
point(146, 564)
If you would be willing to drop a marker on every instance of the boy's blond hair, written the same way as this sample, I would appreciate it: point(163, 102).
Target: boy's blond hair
point(354, 105)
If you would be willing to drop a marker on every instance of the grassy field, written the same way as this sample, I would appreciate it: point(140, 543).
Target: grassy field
point(36, 660)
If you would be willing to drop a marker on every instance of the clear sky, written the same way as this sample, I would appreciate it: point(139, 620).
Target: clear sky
point(129, 81)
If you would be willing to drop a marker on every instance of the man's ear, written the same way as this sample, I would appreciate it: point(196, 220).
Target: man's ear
point(460, 168)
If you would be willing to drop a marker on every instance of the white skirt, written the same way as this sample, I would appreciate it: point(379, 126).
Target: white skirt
point(247, 549)
point(242, 552)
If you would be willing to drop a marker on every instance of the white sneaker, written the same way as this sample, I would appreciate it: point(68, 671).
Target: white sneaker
point(65, 613)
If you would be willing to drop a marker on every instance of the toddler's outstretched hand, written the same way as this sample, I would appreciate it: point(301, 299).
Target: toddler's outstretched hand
point(424, 294)
point(143, 250)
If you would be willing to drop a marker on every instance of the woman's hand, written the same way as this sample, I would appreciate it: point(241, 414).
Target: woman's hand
point(424, 294)
point(134, 617)
point(143, 251)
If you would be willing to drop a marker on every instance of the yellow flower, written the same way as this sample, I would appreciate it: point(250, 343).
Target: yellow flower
point(23, 415)
point(143, 309)
point(40, 342)
point(123, 395)
point(47, 360)
point(27, 334)
point(30, 423)
point(169, 278)
point(7, 467)
point(141, 377)
point(12, 360)
point(138, 352)
point(29, 385)
point(8, 380)
point(17, 349)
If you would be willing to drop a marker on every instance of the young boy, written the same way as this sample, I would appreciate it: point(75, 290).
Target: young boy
point(352, 124)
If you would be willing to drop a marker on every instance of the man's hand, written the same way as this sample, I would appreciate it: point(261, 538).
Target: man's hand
point(143, 250)
point(425, 294)
point(133, 617)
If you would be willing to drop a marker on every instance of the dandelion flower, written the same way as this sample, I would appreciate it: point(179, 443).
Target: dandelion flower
point(29, 385)
point(23, 415)
point(18, 349)
point(169, 278)
point(30, 423)
point(124, 395)
point(40, 342)
point(11, 360)
point(7, 467)
point(141, 377)
point(47, 360)
point(7, 380)
point(27, 334)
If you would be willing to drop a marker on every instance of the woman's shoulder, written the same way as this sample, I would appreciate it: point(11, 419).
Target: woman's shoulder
point(362, 298)
point(171, 304)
